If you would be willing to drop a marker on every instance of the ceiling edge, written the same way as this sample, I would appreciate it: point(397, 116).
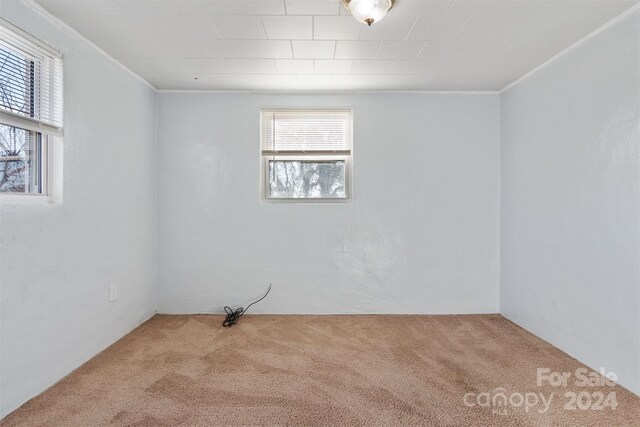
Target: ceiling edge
point(69, 30)
point(329, 91)
point(576, 44)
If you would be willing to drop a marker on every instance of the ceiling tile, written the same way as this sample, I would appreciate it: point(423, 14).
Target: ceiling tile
point(148, 7)
point(408, 67)
point(452, 48)
point(211, 7)
point(190, 26)
point(313, 49)
point(227, 48)
point(142, 26)
point(288, 27)
point(475, 7)
point(310, 82)
point(390, 28)
point(176, 81)
point(91, 25)
point(181, 66)
point(396, 49)
point(123, 47)
point(75, 6)
point(478, 26)
point(294, 66)
point(336, 28)
point(183, 48)
point(205, 65)
point(367, 66)
point(258, 7)
point(312, 7)
point(238, 27)
point(446, 66)
point(331, 66)
point(270, 48)
point(357, 49)
point(256, 66)
point(436, 27)
point(423, 7)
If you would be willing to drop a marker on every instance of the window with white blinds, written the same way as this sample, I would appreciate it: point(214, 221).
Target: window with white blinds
point(30, 113)
point(306, 154)
point(30, 82)
point(306, 130)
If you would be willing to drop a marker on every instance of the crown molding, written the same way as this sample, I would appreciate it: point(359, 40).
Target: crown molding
point(70, 31)
point(578, 43)
point(333, 92)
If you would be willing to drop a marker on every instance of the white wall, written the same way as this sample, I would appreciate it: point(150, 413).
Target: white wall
point(57, 260)
point(570, 228)
point(421, 235)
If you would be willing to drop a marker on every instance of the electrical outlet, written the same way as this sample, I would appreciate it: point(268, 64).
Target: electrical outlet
point(113, 292)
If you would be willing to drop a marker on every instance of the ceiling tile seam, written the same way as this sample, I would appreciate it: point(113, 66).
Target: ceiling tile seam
point(455, 35)
point(415, 21)
point(377, 51)
point(76, 35)
point(503, 8)
point(205, 49)
point(450, 7)
point(577, 43)
point(264, 28)
point(173, 3)
point(416, 58)
point(246, 43)
point(214, 27)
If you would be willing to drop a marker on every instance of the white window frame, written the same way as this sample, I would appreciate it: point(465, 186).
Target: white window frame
point(267, 156)
point(51, 154)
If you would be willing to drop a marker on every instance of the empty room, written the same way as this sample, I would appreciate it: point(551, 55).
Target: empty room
point(319, 212)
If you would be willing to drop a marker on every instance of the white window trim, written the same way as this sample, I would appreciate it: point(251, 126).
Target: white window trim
point(52, 148)
point(347, 156)
point(52, 157)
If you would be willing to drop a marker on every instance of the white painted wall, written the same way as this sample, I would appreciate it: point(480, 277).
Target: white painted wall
point(421, 235)
point(56, 261)
point(570, 227)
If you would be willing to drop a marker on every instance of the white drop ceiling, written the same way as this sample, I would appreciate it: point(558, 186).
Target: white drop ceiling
point(309, 45)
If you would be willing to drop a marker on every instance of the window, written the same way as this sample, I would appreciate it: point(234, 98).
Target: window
point(306, 154)
point(30, 110)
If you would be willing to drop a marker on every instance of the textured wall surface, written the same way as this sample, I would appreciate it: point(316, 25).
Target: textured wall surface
point(57, 261)
point(570, 221)
point(421, 235)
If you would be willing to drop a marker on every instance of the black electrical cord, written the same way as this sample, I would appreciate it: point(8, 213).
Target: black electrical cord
point(234, 315)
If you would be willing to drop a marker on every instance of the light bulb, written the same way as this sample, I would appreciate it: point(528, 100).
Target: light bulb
point(368, 11)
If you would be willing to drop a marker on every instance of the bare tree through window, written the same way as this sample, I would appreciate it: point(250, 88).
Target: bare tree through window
point(17, 146)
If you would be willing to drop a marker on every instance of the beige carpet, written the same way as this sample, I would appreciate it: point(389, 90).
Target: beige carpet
point(322, 370)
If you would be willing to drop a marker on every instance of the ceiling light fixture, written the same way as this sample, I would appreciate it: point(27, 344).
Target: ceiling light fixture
point(368, 11)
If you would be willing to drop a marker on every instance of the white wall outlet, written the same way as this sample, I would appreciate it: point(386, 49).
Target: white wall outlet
point(113, 292)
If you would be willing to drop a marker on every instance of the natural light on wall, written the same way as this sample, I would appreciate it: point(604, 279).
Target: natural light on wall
point(306, 154)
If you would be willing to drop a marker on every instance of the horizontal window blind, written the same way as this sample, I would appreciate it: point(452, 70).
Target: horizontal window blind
point(306, 130)
point(30, 80)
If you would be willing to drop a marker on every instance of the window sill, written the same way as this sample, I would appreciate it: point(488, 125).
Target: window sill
point(306, 200)
point(25, 199)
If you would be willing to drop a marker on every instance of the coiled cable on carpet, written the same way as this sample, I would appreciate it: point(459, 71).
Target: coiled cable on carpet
point(234, 315)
